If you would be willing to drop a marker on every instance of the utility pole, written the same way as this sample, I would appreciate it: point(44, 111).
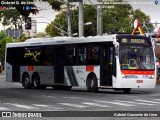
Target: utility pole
point(81, 20)
point(99, 19)
point(69, 19)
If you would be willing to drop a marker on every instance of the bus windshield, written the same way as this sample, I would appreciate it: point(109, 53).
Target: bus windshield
point(136, 57)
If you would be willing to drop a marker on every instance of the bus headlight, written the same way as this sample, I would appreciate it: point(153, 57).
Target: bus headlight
point(123, 76)
point(148, 76)
point(152, 77)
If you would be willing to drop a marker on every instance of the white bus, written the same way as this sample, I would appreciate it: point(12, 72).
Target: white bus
point(111, 61)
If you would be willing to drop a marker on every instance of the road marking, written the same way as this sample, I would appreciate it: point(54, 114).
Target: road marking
point(46, 106)
point(3, 108)
point(147, 101)
point(95, 104)
point(73, 97)
point(73, 105)
point(157, 99)
point(21, 106)
point(40, 105)
point(116, 103)
point(48, 96)
point(133, 102)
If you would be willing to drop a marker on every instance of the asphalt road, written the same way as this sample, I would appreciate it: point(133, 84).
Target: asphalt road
point(77, 102)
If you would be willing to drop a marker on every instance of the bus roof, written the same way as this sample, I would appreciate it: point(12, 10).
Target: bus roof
point(62, 40)
point(67, 40)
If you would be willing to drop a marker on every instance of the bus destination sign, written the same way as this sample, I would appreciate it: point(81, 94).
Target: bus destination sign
point(133, 41)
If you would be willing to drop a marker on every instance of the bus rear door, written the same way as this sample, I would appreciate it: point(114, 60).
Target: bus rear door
point(59, 65)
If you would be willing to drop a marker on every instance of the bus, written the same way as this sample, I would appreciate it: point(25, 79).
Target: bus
point(115, 61)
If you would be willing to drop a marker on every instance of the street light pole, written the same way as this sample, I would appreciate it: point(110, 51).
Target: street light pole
point(99, 20)
point(69, 20)
point(81, 20)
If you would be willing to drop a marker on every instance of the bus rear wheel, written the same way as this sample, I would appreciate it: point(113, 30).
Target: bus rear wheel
point(36, 81)
point(26, 81)
point(126, 90)
point(92, 84)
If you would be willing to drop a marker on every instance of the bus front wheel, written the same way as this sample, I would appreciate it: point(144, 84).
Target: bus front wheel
point(26, 81)
point(127, 90)
point(92, 84)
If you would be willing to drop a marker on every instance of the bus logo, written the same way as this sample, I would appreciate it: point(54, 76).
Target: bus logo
point(32, 54)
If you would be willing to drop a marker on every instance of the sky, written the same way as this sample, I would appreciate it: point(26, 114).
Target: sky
point(46, 14)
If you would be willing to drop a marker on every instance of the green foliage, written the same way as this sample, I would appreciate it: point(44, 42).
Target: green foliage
point(3, 41)
point(117, 19)
point(56, 4)
point(17, 14)
point(41, 34)
point(21, 39)
point(61, 22)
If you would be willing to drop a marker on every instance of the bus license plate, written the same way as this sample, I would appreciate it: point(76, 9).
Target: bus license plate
point(139, 81)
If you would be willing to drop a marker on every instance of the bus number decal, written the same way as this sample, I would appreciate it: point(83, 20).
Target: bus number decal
point(30, 68)
point(89, 68)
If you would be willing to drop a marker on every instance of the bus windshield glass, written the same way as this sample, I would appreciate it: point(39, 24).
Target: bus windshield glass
point(136, 57)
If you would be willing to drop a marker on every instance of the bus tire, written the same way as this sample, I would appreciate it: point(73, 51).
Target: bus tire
point(126, 90)
point(92, 84)
point(36, 81)
point(26, 81)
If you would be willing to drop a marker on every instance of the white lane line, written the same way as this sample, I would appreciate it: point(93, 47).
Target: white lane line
point(73, 105)
point(116, 103)
point(95, 104)
point(157, 99)
point(73, 97)
point(46, 106)
point(40, 105)
point(147, 101)
point(48, 96)
point(133, 102)
point(3, 108)
point(21, 106)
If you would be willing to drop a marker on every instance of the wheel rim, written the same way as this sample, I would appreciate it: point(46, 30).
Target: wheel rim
point(92, 83)
point(26, 81)
point(36, 82)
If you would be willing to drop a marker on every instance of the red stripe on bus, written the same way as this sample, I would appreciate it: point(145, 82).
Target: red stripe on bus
point(30, 68)
point(139, 72)
point(89, 68)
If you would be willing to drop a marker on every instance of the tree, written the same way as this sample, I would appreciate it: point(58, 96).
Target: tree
point(16, 16)
point(4, 39)
point(117, 19)
point(41, 34)
point(61, 22)
point(123, 18)
point(56, 4)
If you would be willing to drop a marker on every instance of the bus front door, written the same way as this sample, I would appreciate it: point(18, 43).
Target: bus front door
point(106, 63)
point(59, 66)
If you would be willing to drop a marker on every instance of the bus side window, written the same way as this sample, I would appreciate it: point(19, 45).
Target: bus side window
point(81, 55)
point(93, 55)
point(48, 56)
point(70, 55)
